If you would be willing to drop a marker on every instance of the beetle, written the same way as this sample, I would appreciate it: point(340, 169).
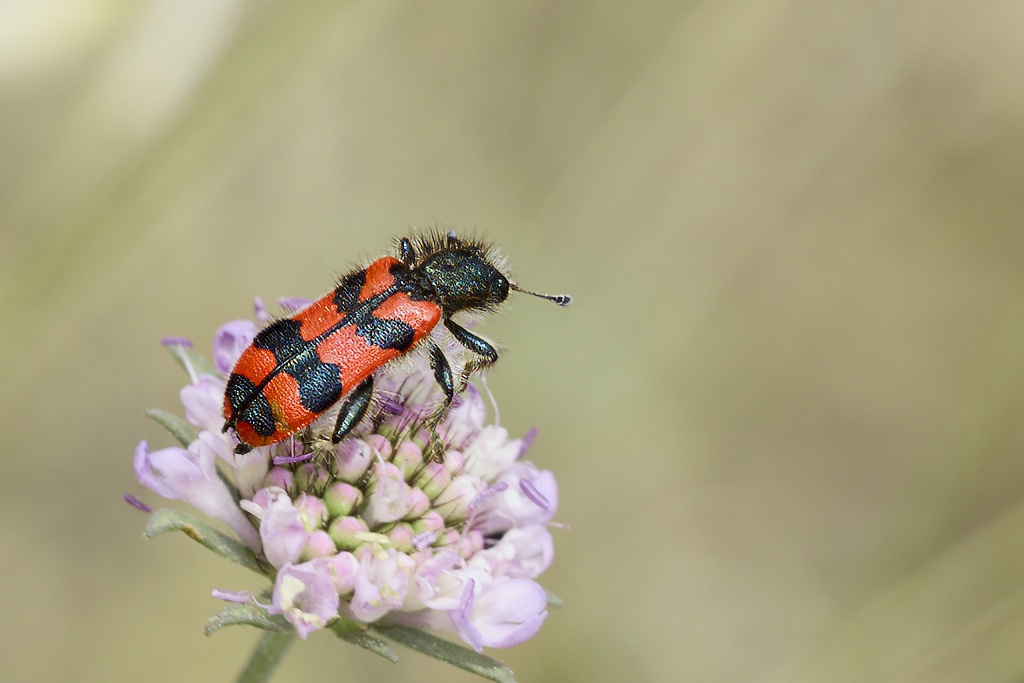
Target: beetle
point(298, 368)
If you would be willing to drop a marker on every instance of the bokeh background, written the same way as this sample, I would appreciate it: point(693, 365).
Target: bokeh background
point(785, 411)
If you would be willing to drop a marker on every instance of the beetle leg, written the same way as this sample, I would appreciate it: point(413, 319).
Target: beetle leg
point(353, 409)
point(483, 349)
point(472, 342)
point(443, 374)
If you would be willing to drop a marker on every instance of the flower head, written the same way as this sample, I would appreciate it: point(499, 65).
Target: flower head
point(373, 529)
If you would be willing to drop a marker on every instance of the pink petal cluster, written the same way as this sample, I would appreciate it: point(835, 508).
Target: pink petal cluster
point(367, 529)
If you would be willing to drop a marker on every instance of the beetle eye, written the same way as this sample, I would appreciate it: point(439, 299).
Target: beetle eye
point(499, 288)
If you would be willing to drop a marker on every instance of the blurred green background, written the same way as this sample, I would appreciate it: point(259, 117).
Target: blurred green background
point(785, 411)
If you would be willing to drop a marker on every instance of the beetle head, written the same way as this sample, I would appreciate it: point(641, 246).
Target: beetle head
point(465, 279)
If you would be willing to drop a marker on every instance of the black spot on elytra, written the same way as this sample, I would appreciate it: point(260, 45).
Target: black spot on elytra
point(249, 405)
point(281, 338)
point(346, 294)
point(385, 333)
point(319, 382)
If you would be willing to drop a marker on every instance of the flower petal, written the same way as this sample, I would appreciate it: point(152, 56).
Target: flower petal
point(230, 340)
point(508, 612)
point(191, 475)
point(381, 584)
point(520, 554)
point(306, 595)
point(531, 497)
point(491, 452)
point(204, 402)
point(281, 528)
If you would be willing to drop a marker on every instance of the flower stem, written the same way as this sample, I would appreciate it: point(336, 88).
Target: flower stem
point(268, 654)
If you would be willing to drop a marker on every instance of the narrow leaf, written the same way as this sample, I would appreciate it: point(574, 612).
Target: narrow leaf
point(554, 600)
point(247, 614)
point(166, 519)
point(178, 427)
point(352, 632)
point(449, 652)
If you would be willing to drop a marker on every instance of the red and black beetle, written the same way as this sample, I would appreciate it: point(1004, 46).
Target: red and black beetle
point(297, 368)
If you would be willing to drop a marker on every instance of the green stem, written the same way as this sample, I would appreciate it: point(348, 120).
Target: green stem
point(268, 654)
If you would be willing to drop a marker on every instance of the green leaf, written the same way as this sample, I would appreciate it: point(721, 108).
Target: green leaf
point(352, 632)
point(449, 652)
point(166, 519)
point(247, 614)
point(554, 600)
point(192, 361)
point(266, 657)
point(178, 427)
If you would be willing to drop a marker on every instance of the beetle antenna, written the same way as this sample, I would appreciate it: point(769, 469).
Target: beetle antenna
point(560, 299)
